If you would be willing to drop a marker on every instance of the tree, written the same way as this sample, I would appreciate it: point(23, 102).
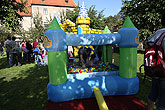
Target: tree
point(72, 15)
point(112, 21)
point(9, 12)
point(145, 14)
point(4, 32)
point(36, 31)
point(96, 18)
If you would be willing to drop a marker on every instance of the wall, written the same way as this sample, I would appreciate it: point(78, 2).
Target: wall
point(51, 12)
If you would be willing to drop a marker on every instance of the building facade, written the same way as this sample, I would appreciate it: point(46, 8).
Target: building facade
point(46, 9)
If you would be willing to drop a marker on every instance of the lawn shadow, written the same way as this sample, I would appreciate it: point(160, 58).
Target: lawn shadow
point(3, 63)
point(144, 87)
point(28, 92)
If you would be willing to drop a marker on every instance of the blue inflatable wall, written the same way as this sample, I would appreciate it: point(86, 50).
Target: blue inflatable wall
point(82, 87)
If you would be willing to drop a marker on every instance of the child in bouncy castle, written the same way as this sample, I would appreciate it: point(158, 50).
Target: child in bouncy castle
point(70, 54)
point(70, 51)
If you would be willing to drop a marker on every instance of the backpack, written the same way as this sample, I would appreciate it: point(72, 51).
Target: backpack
point(154, 61)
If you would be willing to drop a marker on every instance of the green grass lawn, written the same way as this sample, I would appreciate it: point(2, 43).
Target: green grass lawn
point(24, 87)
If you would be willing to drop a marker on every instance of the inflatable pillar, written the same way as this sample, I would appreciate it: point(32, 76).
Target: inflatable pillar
point(107, 49)
point(128, 49)
point(55, 44)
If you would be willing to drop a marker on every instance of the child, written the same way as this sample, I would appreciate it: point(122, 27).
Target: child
point(70, 51)
point(44, 56)
point(24, 50)
point(38, 56)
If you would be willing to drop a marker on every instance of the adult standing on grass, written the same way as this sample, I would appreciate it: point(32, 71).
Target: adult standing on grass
point(1, 48)
point(29, 48)
point(7, 47)
point(35, 43)
point(24, 50)
point(157, 92)
point(15, 52)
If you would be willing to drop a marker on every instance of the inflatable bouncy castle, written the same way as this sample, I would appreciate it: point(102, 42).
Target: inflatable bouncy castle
point(66, 87)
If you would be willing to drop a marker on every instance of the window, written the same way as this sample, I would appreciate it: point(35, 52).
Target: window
point(66, 1)
point(45, 11)
point(67, 10)
point(46, 24)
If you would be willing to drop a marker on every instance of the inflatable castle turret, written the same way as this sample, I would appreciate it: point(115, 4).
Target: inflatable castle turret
point(82, 24)
point(83, 21)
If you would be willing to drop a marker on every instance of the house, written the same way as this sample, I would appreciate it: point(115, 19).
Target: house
point(46, 9)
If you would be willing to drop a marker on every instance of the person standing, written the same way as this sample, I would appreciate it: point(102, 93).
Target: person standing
point(1, 48)
point(7, 47)
point(20, 49)
point(24, 50)
point(38, 56)
point(157, 93)
point(29, 50)
point(35, 43)
point(15, 52)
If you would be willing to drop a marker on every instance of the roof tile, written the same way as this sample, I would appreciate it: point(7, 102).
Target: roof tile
point(55, 2)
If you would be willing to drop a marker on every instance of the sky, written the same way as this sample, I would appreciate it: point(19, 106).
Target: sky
point(110, 7)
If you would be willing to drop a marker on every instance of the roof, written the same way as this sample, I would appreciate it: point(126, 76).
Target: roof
point(28, 8)
point(69, 3)
point(62, 3)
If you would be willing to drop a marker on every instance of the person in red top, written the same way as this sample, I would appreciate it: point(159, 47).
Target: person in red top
point(157, 92)
point(35, 43)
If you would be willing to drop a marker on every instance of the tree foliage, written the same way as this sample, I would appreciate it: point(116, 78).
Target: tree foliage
point(72, 15)
point(113, 21)
point(37, 30)
point(145, 14)
point(9, 12)
point(96, 18)
point(4, 32)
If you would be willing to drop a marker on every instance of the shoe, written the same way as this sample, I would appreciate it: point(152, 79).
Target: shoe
point(19, 64)
point(14, 65)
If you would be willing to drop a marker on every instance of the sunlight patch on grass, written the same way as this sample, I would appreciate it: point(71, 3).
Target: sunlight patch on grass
point(30, 96)
point(15, 72)
point(43, 77)
point(116, 58)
